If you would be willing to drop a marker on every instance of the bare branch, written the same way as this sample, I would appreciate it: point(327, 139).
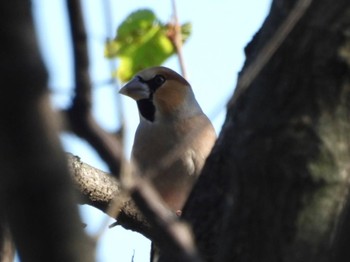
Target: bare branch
point(79, 115)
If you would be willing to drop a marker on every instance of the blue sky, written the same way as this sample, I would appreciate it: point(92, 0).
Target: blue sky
point(213, 56)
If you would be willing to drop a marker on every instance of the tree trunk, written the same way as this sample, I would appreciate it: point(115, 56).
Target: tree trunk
point(275, 187)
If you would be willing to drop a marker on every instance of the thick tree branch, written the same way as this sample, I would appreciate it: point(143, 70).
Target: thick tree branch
point(278, 177)
point(100, 190)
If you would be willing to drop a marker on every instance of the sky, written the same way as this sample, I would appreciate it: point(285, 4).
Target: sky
point(214, 55)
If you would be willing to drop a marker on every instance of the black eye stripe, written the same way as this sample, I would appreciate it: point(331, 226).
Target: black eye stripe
point(156, 82)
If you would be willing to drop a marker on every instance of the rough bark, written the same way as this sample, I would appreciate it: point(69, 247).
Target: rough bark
point(275, 187)
point(36, 192)
point(101, 190)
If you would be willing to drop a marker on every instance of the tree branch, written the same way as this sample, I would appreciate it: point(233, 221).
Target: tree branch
point(79, 114)
point(36, 194)
point(279, 173)
point(100, 190)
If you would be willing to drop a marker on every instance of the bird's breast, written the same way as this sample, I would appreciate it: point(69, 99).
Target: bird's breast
point(172, 154)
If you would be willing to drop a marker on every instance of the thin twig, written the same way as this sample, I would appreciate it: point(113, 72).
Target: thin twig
point(177, 39)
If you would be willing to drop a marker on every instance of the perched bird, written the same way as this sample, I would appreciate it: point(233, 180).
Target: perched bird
point(174, 136)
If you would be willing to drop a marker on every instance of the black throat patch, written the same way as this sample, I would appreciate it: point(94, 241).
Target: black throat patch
point(147, 108)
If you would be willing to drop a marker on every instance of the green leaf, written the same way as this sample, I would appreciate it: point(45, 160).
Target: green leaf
point(141, 42)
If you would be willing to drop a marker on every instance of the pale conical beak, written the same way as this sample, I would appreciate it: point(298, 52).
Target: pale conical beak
point(135, 89)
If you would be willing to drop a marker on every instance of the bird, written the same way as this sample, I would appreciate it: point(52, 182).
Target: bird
point(174, 136)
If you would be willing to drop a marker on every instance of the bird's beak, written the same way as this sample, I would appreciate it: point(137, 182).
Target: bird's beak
point(135, 89)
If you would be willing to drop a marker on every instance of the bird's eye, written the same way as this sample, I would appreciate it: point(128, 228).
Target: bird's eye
point(159, 80)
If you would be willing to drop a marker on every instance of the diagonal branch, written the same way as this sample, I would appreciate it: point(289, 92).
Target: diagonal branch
point(99, 189)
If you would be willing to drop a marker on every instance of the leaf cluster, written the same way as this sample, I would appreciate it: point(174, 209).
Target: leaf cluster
point(142, 41)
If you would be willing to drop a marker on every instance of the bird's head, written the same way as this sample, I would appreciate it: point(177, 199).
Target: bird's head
point(160, 91)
